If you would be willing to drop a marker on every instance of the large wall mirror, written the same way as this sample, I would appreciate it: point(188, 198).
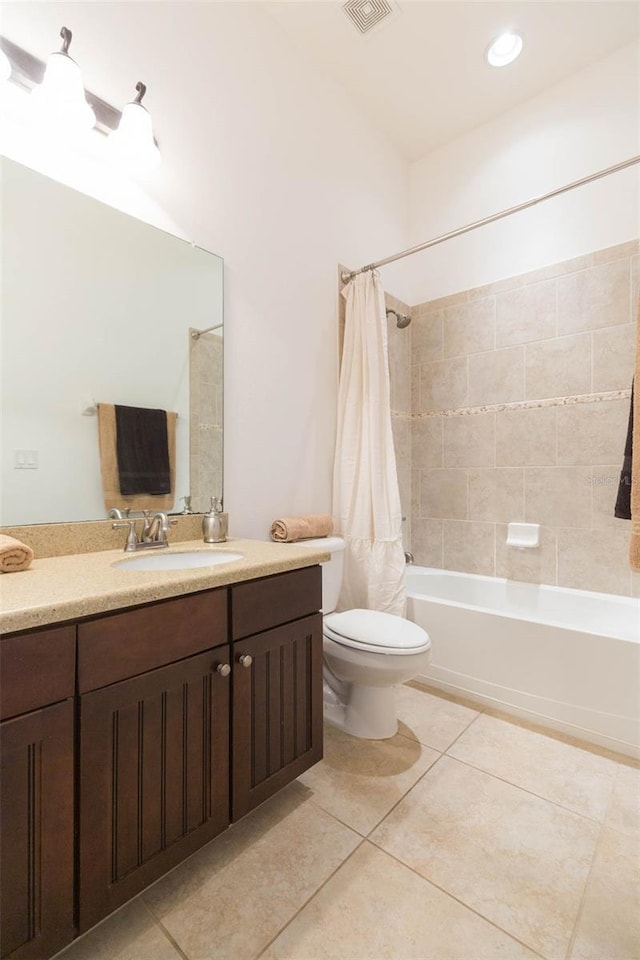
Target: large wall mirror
point(98, 307)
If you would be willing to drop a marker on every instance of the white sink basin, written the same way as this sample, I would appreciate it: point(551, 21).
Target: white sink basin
point(177, 561)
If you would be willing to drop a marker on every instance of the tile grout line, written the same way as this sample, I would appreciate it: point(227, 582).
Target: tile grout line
point(587, 882)
point(174, 943)
point(531, 793)
point(457, 899)
point(256, 956)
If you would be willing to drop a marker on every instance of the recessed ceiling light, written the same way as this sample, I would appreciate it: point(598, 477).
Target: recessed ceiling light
point(504, 49)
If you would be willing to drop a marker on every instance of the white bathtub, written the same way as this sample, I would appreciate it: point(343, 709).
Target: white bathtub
point(567, 659)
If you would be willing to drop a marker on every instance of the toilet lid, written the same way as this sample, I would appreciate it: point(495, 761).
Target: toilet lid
point(375, 631)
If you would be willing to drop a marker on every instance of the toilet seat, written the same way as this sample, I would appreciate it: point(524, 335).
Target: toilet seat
point(376, 632)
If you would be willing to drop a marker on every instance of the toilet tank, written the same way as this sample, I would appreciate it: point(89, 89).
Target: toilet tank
point(331, 570)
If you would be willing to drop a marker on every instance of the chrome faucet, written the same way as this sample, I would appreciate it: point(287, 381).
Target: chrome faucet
point(153, 534)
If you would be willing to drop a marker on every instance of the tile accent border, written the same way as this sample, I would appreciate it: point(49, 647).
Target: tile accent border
point(516, 405)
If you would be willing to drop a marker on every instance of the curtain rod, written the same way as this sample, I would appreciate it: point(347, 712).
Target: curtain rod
point(350, 274)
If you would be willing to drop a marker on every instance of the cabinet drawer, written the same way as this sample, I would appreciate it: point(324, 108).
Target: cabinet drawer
point(126, 644)
point(261, 604)
point(36, 669)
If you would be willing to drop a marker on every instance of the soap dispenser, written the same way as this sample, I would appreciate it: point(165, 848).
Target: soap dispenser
point(215, 524)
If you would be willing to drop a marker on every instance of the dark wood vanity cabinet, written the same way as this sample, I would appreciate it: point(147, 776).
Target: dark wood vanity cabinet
point(37, 793)
point(187, 714)
point(277, 684)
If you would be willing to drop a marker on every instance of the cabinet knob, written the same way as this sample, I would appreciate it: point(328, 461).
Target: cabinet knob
point(245, 660)
point(223, 669)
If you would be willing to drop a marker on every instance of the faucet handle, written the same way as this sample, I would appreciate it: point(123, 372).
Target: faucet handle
point(132, 539)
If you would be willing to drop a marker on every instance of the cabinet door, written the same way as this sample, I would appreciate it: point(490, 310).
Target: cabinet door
point(154, 777)
point(277, 710)
point(36, 832)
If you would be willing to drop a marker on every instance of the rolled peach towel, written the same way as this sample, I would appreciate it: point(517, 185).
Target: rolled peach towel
point(302, 528)
point(14, 555)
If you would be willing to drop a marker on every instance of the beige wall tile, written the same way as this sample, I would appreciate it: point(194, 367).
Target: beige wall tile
point(402, 440)
point(594, 560)
point(604, 491)
point(496, 494)
point(561, 269)
point(415, 387)
point(469, 547)
point(596, 297)
point(469, 441)
point(558, 368)
point(537, 565)
point(608, 924)
point(443, 385)
point(469, 327)
point(426, 443)
point(496, 377)
point(426, 542)
point(526, 438)
point(443, 493)
point(592, 432)
point(614, 350)
point(558, 496)
point(618, 252)
point(426, 336)
point(415, 494)
point(528, 313)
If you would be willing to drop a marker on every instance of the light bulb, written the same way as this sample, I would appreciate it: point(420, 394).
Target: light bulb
point(504, 49)
point(59, 101)
point(133, 144)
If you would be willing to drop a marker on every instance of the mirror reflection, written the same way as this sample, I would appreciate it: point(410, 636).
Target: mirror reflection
point(100, 308)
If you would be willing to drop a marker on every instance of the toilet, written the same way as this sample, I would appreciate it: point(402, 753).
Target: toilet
point(366, 653)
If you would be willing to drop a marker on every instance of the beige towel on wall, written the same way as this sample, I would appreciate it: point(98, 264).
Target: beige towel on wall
point(301, 528)
point(634, 548)
point(14, 554)
point(109, 466)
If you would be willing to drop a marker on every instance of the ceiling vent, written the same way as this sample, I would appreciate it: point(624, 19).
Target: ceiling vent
point(366, 15)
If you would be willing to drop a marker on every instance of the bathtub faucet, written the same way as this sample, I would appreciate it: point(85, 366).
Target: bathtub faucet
point(408, 557)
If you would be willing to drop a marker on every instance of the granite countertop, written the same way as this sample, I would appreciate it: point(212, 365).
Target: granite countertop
point(71, 587)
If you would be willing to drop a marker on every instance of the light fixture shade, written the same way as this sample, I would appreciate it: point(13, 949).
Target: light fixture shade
point(60, 99)
point(5, 66)
point(133, 143)
point(504, 49)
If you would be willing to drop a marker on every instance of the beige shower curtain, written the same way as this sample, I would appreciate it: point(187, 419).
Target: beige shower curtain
point(366, 498)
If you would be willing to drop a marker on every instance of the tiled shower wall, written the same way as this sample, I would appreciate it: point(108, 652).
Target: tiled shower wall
point(518, 407)
point(205, 419)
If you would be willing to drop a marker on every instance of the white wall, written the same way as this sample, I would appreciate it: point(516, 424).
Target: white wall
point(266, 163)
point(583, 124)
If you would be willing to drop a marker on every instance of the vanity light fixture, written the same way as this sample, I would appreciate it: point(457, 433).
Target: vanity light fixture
point(133, 143)
point(504, 49)
point(5, 66)
point(60, 99)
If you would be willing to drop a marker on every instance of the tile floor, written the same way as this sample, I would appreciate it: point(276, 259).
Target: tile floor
point(465, 837)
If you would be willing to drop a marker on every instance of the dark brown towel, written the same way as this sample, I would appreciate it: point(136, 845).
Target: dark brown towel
point(623, 502)
point(143, 451)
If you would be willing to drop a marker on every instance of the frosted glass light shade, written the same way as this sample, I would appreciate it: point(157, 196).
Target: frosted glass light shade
point(5, 66)
point(60, 98)
point(132, 143)
point(504, 49)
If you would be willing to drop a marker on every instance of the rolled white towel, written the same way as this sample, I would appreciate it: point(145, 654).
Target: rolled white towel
point(302, 528)
point(14, 555)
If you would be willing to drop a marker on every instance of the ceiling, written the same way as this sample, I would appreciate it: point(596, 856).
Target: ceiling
point(421, 75)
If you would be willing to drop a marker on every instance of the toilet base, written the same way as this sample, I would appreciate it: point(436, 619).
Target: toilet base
point(369, 712)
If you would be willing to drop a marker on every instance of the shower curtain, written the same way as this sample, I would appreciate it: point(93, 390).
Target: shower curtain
point(366, 498)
